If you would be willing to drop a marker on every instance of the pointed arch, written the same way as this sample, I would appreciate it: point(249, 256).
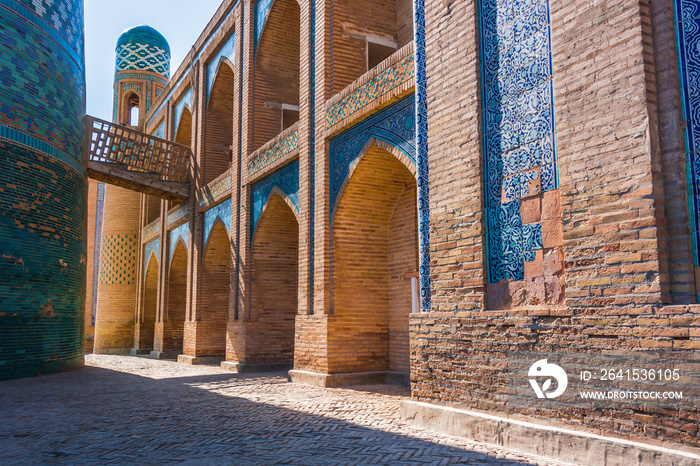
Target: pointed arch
point(276, 191)
point(219, 124)
point(371, 293)
point(274, 283)
point(183, 131)
point(130, 99)
point(179, 245)
point(217, 222)
point(388, 147)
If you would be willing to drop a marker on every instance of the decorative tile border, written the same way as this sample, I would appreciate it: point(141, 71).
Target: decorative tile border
point(518, 119)
point(286, 179)
point(220, 211)
point(182, 212)
point(394, 124)
point(150, 231)
point(215, 189)
point(181, 232)
point(282, 145)
point(422, 181)
point(393, 72)
point(28, 141)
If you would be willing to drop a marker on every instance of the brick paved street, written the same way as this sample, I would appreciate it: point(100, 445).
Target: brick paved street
point(128, 410)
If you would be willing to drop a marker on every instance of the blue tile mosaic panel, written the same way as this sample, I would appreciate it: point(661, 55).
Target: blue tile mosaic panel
point(228, 51)
point(519, 127)
point(262, 11)
point(688, 34)
point(286, 179)
point(182, 232)
point(151, 248)
point(422, 181)
point(395, 124)
point(159, 132)
point(221, 212)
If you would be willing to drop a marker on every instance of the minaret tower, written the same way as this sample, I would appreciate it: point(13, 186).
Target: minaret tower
point(142, 71)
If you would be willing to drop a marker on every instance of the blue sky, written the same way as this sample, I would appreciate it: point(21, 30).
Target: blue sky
point(180, 21)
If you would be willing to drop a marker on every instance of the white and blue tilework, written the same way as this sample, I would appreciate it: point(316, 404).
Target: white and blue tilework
point(286, 179)
point(143, 57)
point(151, 248)
point(221, 212)
point(519, 127)
point(395, 125)
point(182, 232)
point(421, 128)
point(688, 34)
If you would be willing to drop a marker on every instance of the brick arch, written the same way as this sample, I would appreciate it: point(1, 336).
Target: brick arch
point(219, 124)
point(147, 319)
point(380, 144)
point(174, 313)
point(223, 61)
point(126, 109)
point(215, 293)
point(375, 254)
point(276, 191)
point(274, 284)
point(183, 132)
point(217, 222)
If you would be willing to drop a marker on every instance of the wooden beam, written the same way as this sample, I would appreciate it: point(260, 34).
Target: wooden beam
point(143, 182)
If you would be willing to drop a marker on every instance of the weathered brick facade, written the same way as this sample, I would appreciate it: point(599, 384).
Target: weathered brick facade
point(560, 210)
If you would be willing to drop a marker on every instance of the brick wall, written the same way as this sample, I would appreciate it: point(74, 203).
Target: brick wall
point(214, 304)
point(119, 270)
point(219, 125)
point(402, 252)
point(174, 318)
point(358, 334)
point(276, 70)
point(270, 330)
point(618, 147)
point(145, 327)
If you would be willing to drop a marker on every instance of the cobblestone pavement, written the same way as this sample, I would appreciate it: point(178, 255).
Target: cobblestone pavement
point(129, 410)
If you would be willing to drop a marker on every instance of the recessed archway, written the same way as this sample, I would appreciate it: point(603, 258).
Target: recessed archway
point(216, 287)
point(375, 256)
point(174, 316)
point(219, 124)
point(147, 322)
point(275, 263)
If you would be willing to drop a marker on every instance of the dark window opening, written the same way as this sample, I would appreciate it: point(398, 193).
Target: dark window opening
point(378, 52)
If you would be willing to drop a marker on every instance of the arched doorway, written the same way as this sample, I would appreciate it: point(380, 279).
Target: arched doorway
point(216, 287)
point(275, 262)
point(375, 255)
point(174, 318)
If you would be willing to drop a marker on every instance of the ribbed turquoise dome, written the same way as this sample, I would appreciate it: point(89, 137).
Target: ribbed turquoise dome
point(143, 35)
